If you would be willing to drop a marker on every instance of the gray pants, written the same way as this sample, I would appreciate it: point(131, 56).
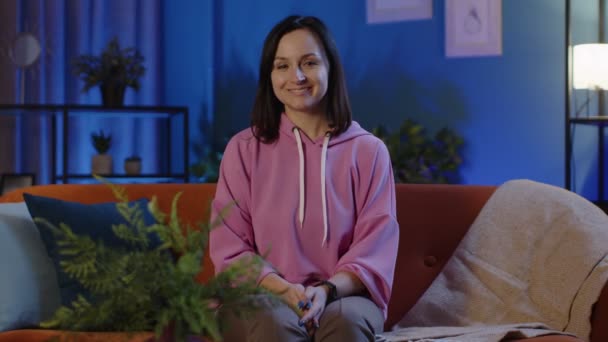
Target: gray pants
point(347, 319)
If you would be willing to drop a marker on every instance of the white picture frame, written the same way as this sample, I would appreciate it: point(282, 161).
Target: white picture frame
point(383, 11)
point(473, 28)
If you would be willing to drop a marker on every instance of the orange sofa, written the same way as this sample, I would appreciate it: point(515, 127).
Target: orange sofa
point(433, 219)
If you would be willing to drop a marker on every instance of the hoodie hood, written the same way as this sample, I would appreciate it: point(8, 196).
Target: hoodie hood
point(355, 130)
point(290, 130)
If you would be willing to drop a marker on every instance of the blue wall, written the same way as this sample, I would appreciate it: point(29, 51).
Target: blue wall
point(188, 51)
point(510, 108)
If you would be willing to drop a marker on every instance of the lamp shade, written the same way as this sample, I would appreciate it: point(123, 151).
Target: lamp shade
point(590, 66)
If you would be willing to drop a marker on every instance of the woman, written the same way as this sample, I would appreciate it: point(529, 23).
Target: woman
point(315, 195)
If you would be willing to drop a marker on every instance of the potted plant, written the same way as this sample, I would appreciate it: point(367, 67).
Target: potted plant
point(133, 165)
point(114, 70)
point(207, 168)
point(208, 153)
point(151, 286)
point(419, 158)
point(101, 164)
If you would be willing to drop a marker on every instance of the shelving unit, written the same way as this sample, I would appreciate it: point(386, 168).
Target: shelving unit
point(170, 114)
point(600, 120)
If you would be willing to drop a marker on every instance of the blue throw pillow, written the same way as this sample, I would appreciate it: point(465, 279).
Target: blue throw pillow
point(94, 220)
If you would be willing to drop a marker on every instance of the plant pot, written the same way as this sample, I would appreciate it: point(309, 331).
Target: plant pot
point(132, 167)
point(112, 94)
point(101, 164)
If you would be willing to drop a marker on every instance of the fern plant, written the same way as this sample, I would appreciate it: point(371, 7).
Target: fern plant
point(141, 288)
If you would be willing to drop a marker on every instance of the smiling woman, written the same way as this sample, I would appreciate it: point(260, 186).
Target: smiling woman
point(302, 58)
point(299, 80)
point(315, 194)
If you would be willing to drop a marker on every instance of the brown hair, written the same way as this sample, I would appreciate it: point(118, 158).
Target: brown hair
point(267, 109)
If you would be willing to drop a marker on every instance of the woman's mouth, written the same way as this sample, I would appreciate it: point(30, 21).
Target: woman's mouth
point(300, 91)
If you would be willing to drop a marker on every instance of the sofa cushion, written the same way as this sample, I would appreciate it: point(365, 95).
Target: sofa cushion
point(28, 285)
point(94, 220)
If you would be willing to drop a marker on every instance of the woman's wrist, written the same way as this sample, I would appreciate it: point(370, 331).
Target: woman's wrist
point(347, 284)
point(274, 283)
point(330, 289)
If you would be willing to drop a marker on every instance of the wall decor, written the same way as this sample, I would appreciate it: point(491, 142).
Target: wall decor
point(26, 50)
point(14, 181)
point(473, 28)
point(382, 11)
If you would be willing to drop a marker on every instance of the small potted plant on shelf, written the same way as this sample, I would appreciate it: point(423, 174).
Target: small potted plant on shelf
point(101, 164)
point(114, 70)
point(133, 165)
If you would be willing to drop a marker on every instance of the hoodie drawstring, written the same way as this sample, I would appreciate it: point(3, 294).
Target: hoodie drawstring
point(301, 153)
point(323, 192)
point(302, 186)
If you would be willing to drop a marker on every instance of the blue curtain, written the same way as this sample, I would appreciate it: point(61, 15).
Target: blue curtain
point(66, 29)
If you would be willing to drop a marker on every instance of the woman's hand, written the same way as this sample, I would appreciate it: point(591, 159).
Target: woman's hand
point(296, 296)
point(318, 298)
point(292, 294)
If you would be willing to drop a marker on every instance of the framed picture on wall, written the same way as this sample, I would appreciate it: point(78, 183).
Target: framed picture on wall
point(473, 28)
point(10, 181)
point(382, 11)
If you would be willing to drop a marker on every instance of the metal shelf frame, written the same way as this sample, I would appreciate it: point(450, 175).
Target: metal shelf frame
point(66, 110)
point(600, 120)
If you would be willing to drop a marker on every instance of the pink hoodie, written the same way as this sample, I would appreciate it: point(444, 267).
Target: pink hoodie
point(314, 208)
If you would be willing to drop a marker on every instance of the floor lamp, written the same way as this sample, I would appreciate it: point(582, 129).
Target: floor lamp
point(586, 68)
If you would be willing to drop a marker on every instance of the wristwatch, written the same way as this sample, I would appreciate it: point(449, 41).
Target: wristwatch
point(332, 290)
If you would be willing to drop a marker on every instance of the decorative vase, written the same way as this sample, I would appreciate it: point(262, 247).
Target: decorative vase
point(112, 94)
point(101, 164)
point(132, 166)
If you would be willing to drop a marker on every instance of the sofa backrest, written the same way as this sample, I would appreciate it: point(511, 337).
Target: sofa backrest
point(432, 219)
point(193, 206)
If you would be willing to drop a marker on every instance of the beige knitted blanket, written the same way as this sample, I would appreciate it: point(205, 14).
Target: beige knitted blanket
point(535, 254)
point(467, 334)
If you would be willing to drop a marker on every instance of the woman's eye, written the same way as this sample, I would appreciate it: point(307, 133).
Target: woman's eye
point(310, 63)
point(280, 66)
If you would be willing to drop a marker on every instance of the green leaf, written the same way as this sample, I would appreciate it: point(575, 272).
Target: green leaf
point(416, 157)
point(189, 264)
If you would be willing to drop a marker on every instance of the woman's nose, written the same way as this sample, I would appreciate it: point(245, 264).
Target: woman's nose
point(299, 75)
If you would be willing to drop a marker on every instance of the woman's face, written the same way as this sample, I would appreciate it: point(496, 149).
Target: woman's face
point(300, 72)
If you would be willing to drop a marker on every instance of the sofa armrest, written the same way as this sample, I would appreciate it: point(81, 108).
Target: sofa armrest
point(599, 317)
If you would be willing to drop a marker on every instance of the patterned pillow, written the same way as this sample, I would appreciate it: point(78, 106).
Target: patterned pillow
point(95, 220)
